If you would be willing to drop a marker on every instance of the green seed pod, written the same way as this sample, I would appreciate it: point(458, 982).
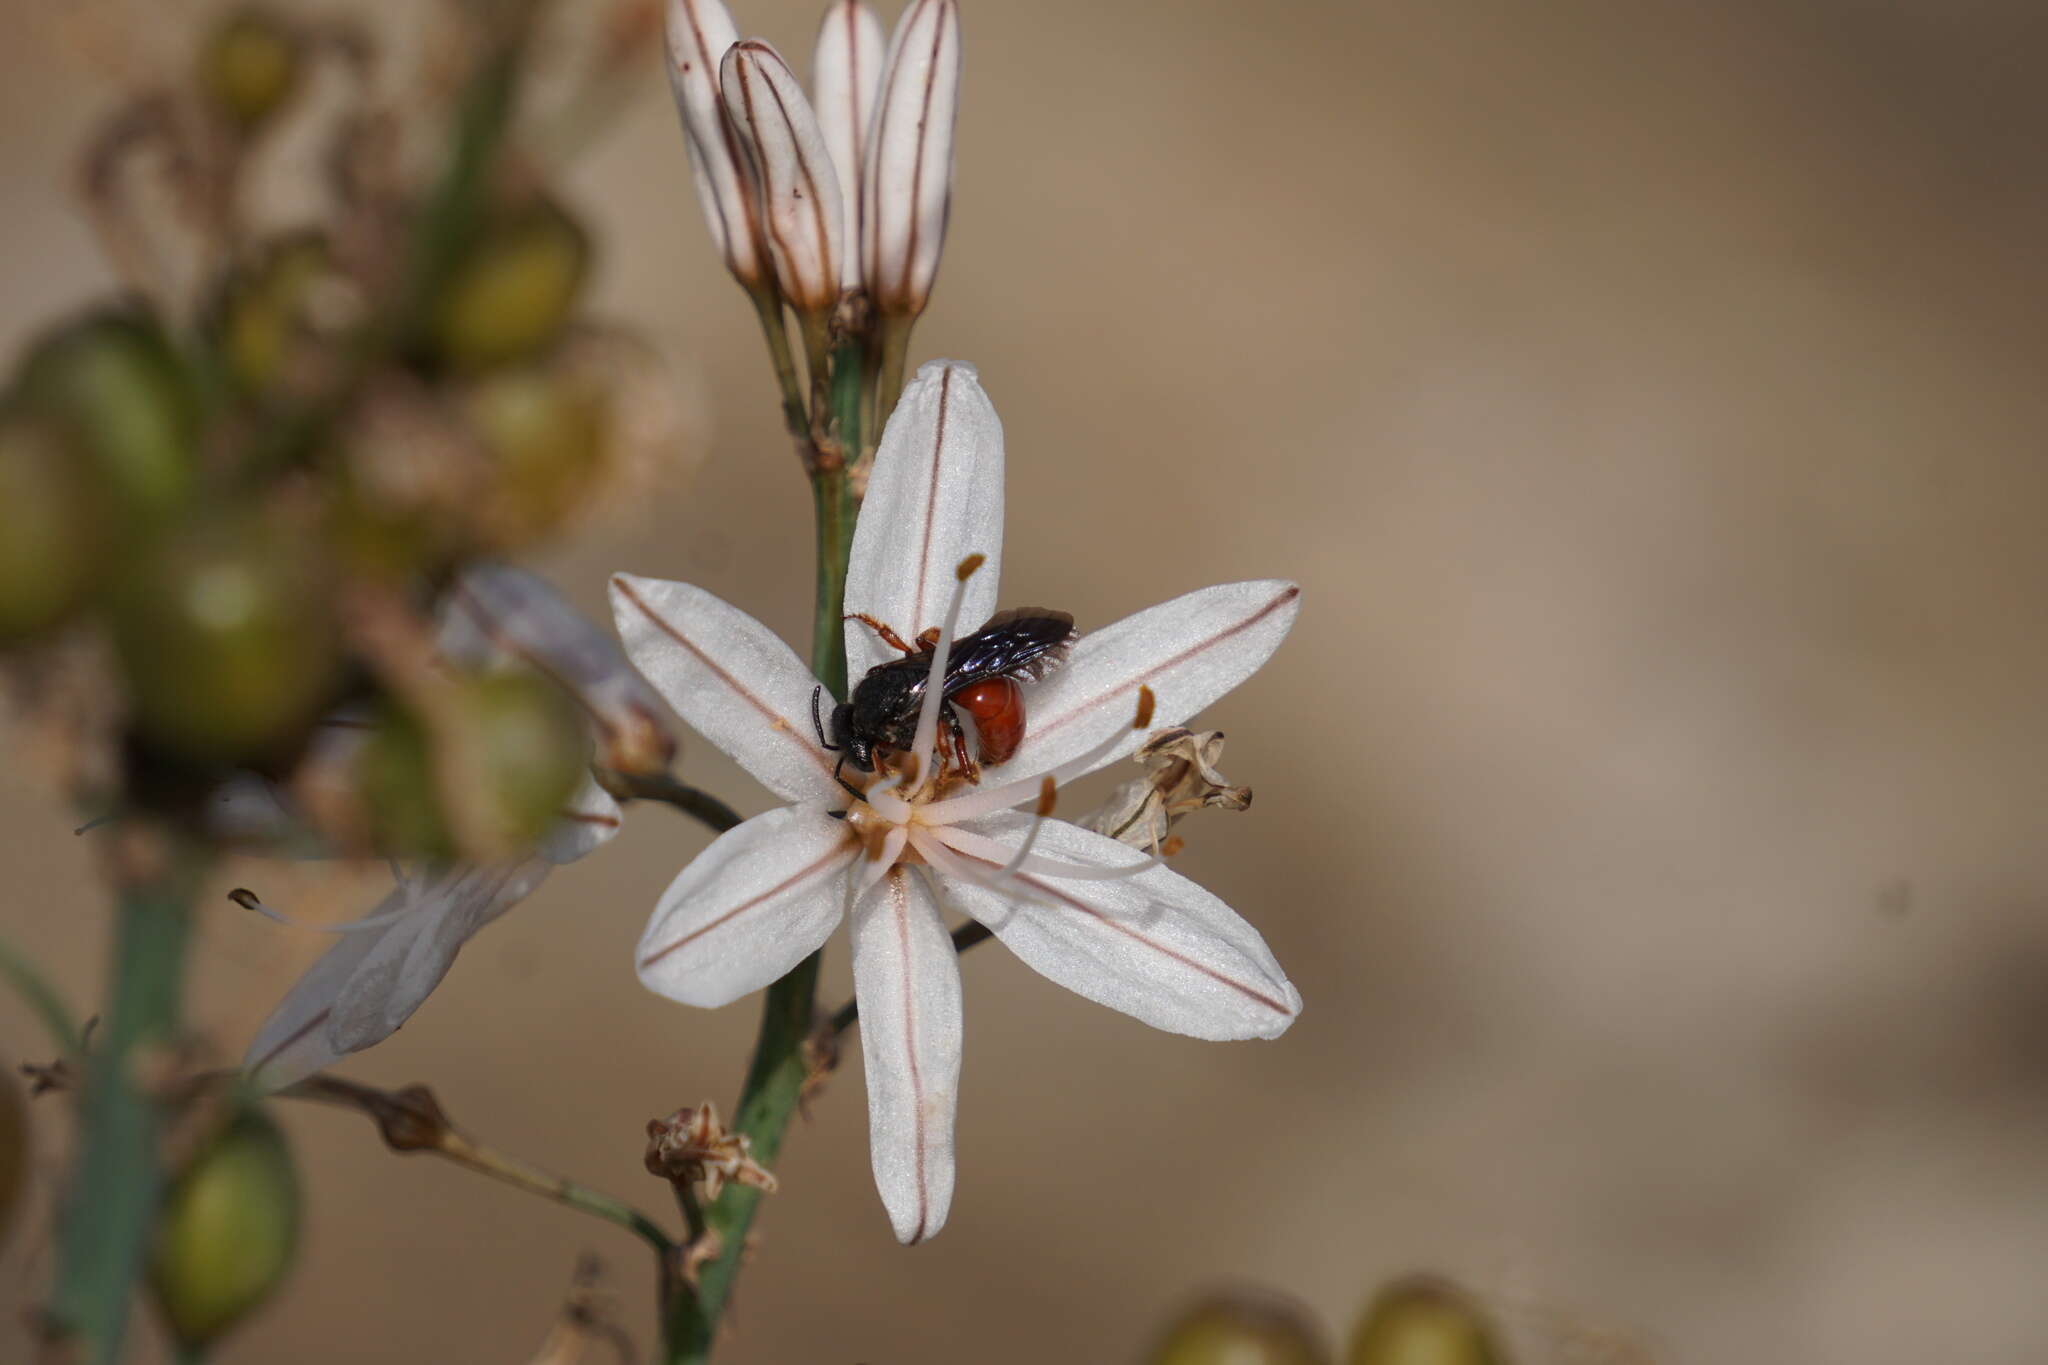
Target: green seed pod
point(249, 67)
point(226, 634)
point(546, 433)
point(55, 525)
point(513, 292)
point(261, 309)
point(115, 380)
point(1243, 1328)
point(229, 1227)
point(525, 747)
point(1424, 1320)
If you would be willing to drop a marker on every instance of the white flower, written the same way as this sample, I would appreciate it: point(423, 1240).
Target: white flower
point(853, 191)
point(1092, 914)
point(386, 964)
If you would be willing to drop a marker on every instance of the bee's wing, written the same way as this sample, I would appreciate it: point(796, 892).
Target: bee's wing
point(1021, 642)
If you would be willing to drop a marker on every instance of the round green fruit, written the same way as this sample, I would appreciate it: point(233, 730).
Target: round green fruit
point(513, 292)
point(1423, 1321)
point(114, 379)
point(1243, 1329)
point(526, 748)
point(262, 308)
point(229, 1227)
point(54, 526)
point(226, 635)
point(545, 432)
point(249, 67)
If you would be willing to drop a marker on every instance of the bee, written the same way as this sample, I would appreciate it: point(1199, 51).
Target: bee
point(983, 677)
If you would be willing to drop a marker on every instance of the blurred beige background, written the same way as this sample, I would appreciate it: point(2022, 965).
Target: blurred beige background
point(1650, 801)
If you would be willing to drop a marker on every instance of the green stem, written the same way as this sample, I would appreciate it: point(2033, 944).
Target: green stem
point(776, 1077)
point(768, 305)
point(116, 1180)
point(695, 802)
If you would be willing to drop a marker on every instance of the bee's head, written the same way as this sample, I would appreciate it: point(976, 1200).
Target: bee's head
point(859, 750)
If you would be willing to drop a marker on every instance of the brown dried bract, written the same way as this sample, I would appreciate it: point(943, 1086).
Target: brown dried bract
point(692, 1145)
point(1182, 779)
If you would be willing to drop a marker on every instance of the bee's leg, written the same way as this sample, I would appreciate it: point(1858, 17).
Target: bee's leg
point(889, 637)
point(928, 638)
point(956, 740)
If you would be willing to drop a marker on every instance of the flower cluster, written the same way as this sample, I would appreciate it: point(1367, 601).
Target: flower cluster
point(1098, 916)
point(817, 197)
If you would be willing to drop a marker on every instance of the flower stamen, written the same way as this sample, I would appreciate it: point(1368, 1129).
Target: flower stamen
point(926, 738)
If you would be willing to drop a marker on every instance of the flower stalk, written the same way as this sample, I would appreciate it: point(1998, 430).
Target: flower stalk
point(117, 1178)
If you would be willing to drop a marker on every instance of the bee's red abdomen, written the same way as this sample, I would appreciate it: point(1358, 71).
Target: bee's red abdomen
point(997, 706)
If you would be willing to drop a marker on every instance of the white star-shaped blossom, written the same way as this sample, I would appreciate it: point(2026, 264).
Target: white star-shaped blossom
point(1096, 916)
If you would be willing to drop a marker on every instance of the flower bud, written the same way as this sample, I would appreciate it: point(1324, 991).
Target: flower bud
point(801, 213)
point(1423, 1320)
point(249, 66)
point(1243, 1328)
point(55, 526)
point(907, 189)
point(545, 433)
point(515, 289)
point(114, 379)
point(228, 1230)
point(846, 79)
point(699, 33)
point(495, 767)
point(226, 637)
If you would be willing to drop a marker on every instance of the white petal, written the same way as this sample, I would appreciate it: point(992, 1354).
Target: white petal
point(1156, 946)
point(748, 908)
point(846, 76)
point(495, 613)
point(590, 820)
point(935, 497)
point(699, 32)
point(292, 1043)
point(907, 188)
point(731, 679)
point(407, 960)
point(802, 215)
point(1189, 651)
point(907, 979)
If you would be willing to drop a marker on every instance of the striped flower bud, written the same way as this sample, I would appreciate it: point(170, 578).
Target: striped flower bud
point(699, 34)
point(801, 213)
point(907, 187)
point(846, 78)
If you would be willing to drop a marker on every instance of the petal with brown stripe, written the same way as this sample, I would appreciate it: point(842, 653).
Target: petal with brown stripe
point(731, 679)
point(1155, 945)
point(755, 903)
point(907, 979)
point(936, 497)
point(1189, 651)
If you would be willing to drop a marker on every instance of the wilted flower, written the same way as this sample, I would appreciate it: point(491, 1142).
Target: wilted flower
point(386, 964)
point(1088, 912)
point(692, 1145)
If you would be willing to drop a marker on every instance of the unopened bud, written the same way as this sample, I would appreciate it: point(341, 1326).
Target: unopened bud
point(1243, 1328)
point(907, 189)
point(229, 1227)
point(846, 80)
point(801, 213)
point(1423, 1320)
point(699, 33)
point(249, 66)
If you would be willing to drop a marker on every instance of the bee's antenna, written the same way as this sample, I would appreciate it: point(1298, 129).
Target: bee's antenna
point(827, 745)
